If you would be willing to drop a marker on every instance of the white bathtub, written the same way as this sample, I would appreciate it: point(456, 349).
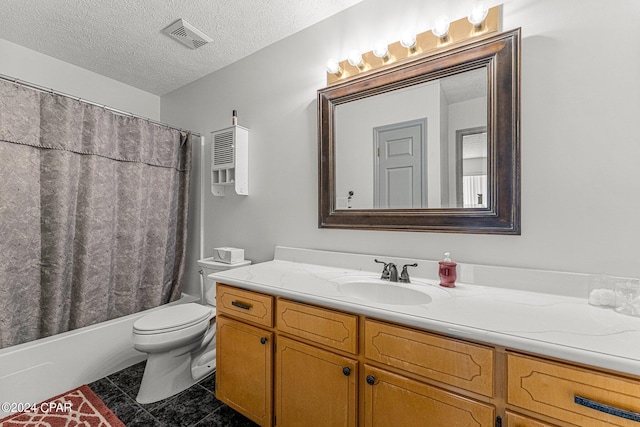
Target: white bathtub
point(37, 370)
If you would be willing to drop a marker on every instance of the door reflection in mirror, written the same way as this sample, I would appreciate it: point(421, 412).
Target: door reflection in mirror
point(399, 155)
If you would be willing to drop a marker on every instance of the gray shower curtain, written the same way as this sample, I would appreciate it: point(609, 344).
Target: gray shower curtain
point(93, 214)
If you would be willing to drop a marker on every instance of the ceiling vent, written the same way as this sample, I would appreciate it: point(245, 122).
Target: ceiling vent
point(187, 34)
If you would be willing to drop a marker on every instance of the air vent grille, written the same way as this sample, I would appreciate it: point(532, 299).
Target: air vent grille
point(223, 149)
point(187, 34)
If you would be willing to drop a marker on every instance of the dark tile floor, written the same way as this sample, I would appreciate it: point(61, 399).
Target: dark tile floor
point(196, 406)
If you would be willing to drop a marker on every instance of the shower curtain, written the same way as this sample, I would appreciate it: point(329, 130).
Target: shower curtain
point(93, 214)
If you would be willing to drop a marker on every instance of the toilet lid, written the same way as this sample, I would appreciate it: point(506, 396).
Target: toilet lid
point(172, 318)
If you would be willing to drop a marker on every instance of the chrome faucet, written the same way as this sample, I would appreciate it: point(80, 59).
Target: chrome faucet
point(389, 271)
point(393, 272)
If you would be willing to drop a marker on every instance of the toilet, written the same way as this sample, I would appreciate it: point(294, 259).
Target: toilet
point(180, 340)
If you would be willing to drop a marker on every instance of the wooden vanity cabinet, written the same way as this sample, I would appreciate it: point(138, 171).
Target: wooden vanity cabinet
point(287, 363)
point(318, 367)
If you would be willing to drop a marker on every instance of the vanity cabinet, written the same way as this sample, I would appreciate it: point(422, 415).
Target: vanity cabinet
point(331, 368)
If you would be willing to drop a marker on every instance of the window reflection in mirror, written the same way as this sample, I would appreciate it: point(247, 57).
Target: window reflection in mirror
point(414, 148)
point(471, 179)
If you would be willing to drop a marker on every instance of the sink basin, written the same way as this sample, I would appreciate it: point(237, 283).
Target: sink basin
point(384, 292)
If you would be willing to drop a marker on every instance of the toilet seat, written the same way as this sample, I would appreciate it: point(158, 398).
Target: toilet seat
point(172, 318)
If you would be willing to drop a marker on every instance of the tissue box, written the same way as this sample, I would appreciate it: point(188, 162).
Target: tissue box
point(228, 255)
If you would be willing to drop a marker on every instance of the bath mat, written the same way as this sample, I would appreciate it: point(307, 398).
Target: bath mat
point(76, 408)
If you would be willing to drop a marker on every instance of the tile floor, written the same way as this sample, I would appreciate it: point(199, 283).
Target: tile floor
point(196, 406)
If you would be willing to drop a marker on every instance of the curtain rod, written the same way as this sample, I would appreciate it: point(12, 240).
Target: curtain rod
point(113, 110)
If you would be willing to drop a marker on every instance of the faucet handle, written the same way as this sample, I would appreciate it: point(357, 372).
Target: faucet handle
point(385, 269)
point(404, 276)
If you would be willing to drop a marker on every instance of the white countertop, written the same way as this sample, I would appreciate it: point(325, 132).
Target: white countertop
point(554, 325)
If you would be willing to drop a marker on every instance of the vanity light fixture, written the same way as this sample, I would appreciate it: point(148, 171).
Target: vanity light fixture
point(381, 50)
point(408, 40)
point(480, 22)
point(478, 14)
point(441, 27)
point(355, 59)
point(333, 67)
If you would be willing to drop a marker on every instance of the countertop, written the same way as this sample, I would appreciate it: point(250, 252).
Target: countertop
point(559, 326)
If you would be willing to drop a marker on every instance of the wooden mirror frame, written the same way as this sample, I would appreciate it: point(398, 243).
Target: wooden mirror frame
point(501, 55)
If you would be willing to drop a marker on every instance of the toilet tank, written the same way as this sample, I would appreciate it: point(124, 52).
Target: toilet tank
point(209, 266)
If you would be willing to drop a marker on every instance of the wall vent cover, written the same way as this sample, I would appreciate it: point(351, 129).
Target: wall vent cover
point(187, 34)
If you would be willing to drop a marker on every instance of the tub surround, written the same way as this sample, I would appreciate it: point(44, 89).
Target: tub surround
point(541, 312)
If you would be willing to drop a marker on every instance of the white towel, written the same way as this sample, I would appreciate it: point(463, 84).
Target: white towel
point(602, 297)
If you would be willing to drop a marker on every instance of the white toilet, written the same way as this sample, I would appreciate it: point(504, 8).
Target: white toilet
point(180, 340)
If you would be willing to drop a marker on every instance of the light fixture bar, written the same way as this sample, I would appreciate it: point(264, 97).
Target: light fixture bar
point(426, 42)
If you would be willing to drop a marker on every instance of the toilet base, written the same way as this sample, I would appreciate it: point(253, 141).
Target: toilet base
point(167, 374)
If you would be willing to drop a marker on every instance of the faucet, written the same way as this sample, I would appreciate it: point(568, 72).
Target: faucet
point(393, 272)
point(389, 271)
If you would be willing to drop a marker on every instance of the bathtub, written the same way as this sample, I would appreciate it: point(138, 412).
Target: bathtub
point(40, 369)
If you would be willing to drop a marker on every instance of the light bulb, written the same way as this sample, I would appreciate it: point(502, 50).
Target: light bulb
point(441, 27)
point(333, 67)
point(381, 49)
point(408, 40)
point(355, 58)
point(478, 14)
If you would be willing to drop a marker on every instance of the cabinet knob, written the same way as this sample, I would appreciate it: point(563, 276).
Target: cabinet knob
point(346, 371)
point(263, 340)
point(371, 379)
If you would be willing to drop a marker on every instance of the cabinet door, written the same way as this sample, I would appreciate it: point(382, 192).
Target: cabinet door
point(393, 400)
point(244, 369)
point(314, 387)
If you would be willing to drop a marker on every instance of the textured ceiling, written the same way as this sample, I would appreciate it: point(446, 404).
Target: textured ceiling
point(122, 39)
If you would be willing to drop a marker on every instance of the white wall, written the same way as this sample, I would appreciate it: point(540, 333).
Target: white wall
point(580, 109)
point(34, 67)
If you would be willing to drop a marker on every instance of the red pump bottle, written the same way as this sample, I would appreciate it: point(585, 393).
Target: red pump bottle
point(447, 272)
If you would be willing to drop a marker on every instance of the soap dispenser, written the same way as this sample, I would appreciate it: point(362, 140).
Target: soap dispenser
point(447, 272)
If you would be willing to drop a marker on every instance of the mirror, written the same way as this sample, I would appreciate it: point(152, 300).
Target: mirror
point(426, 145)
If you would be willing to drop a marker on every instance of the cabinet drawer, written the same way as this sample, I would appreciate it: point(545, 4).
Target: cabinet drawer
point(327, 327)
point(575, 395)
point(247, 305)
point(517, 420)
point(460, 364)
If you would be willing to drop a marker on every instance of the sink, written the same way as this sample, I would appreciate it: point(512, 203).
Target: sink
point(385, 292)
